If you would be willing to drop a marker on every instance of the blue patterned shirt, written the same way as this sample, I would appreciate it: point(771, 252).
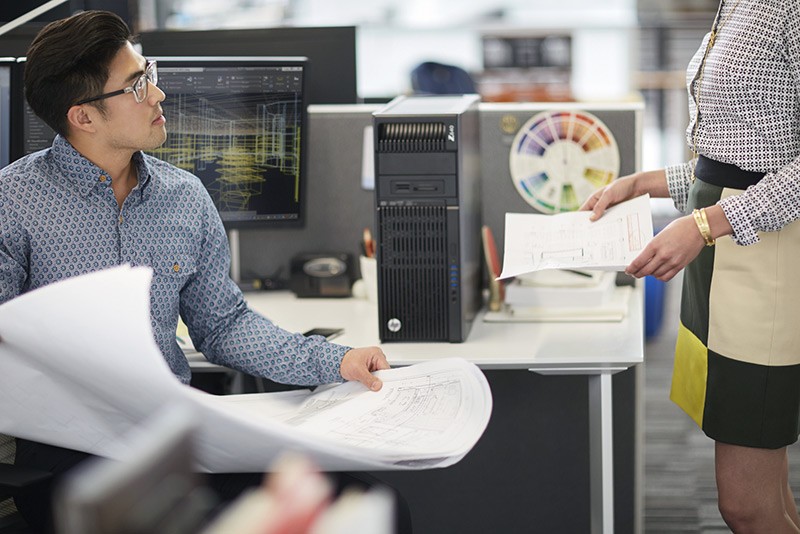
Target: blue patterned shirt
point(59, 218)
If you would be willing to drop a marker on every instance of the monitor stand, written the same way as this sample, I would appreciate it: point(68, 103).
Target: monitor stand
point(250, 284)
point(236, 268)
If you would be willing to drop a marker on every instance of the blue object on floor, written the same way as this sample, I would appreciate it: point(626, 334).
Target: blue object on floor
point(653, 305)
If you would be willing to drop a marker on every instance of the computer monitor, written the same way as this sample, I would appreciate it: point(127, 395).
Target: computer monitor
point(6, 67)
point(36, 134)
point(330, 50)
point(29, 132)
point(239, 124)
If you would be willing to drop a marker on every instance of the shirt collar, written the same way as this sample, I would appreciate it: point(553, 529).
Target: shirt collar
point(145, 172)
point(85, 175)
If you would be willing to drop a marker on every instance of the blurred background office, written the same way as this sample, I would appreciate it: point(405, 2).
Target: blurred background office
point(514, 50)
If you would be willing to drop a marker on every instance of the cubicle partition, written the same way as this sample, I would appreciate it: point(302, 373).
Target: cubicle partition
point(338, 208)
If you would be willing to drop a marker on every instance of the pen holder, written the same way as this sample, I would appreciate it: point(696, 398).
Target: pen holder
point(369, 275)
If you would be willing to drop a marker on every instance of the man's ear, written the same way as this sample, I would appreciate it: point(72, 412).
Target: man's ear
point(79, 118)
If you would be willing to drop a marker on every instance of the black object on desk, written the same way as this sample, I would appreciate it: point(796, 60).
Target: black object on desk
point(321, 274)
point(327, 333)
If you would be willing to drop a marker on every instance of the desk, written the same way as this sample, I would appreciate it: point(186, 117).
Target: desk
point(595, 349)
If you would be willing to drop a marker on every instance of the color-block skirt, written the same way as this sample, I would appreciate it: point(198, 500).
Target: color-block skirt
point(737, 358)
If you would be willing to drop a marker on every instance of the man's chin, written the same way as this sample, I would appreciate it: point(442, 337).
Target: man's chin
point(158, 142)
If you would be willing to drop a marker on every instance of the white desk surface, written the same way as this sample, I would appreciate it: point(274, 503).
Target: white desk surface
point(559, 348)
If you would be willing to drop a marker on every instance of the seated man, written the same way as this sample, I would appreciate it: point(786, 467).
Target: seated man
point(94, 200)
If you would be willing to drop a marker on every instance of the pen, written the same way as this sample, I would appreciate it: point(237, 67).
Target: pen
point(579, 273)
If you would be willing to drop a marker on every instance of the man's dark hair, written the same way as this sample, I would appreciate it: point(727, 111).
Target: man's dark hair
point(68, 61)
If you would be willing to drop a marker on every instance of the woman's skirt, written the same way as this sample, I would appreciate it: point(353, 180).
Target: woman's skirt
point(737, 358)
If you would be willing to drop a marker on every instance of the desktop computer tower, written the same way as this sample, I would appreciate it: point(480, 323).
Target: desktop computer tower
point(427, 194)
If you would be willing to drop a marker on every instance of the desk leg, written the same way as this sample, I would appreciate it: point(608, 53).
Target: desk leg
point(601, 451)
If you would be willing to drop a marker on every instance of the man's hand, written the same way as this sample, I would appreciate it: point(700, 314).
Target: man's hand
point(357, 364)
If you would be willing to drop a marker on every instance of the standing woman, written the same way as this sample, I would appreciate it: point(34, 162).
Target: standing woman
point(737, 361)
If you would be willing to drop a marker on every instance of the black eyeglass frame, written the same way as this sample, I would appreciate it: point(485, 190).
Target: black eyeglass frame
point(150, 74)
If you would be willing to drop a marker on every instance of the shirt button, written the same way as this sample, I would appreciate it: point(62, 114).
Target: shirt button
point(176, 268)
point(103, 178)
point(120, 219)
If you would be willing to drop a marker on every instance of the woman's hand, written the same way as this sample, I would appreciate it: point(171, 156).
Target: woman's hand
point(653, 183)
point(675, 246)
point(670, 250)
point(617, 191)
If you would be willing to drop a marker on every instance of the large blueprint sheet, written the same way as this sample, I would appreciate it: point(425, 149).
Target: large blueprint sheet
point(79, 368)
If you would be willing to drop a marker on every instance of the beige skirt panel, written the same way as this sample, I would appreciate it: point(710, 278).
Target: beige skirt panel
point(754, 302)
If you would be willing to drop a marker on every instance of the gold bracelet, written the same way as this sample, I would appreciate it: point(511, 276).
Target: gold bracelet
point(701, 220)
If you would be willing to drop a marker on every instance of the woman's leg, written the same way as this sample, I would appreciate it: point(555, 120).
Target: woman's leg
point(788, 496)
point(751, 487)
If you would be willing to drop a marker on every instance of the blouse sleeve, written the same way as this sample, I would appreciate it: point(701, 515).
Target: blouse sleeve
point(679, 179)
point(767, 206)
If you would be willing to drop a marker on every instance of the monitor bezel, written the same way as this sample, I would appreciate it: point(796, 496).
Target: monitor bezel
point(18, 103)
point(272, 61)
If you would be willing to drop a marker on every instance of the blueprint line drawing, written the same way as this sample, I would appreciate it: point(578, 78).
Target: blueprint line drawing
point(571, 241)
point(243, 140)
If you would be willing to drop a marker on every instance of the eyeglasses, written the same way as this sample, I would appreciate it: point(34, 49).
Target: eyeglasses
point(139, 87)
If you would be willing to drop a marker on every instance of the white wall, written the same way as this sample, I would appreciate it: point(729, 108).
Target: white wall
point(396, 35)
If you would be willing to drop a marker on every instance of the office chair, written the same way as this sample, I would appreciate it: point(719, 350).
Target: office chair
point(440, 79)
point(14, 480)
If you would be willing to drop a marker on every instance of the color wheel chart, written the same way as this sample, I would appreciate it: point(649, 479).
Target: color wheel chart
point(559, 158)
